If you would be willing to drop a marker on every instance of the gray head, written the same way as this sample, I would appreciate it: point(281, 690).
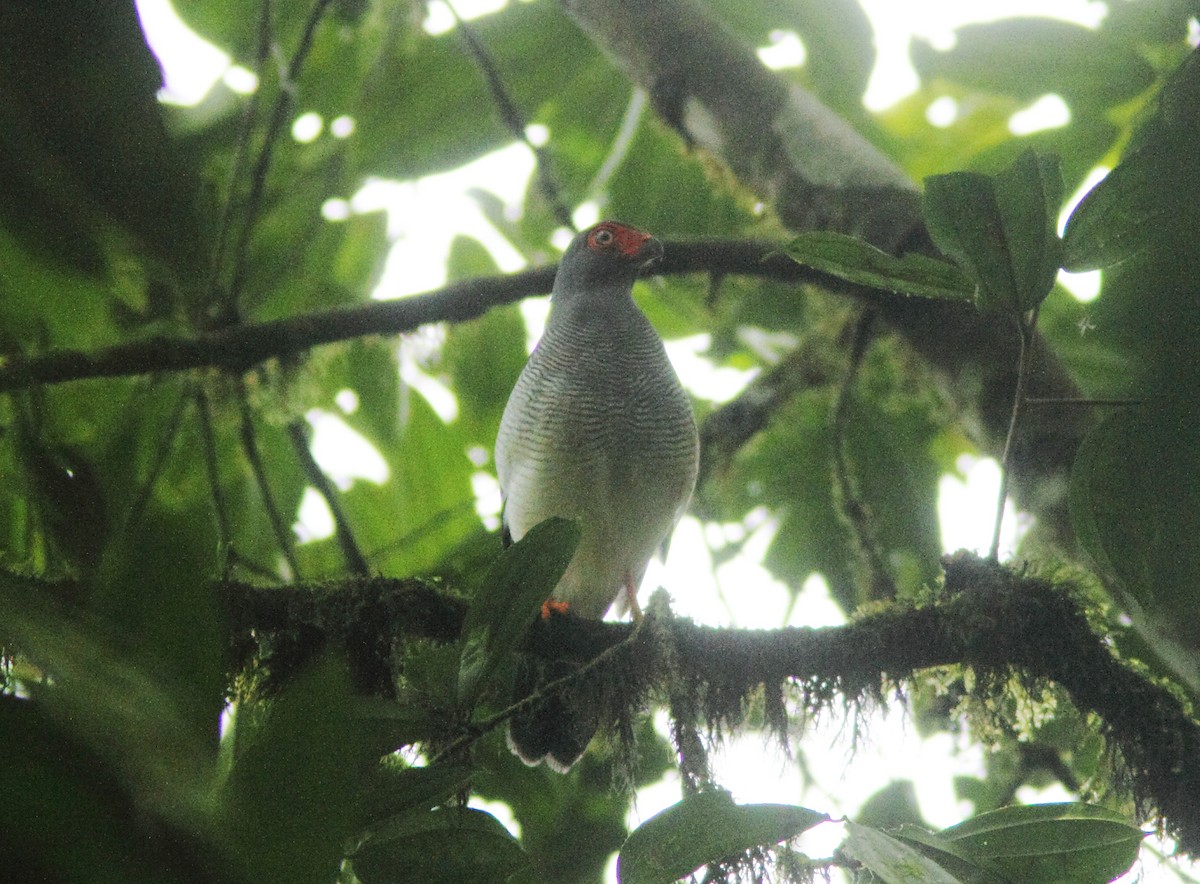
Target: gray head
point(605, 258)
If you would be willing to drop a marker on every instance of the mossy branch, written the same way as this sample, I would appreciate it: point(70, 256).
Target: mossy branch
point(987, 617)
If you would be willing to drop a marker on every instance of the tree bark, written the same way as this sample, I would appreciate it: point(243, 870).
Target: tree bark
point(818, 172)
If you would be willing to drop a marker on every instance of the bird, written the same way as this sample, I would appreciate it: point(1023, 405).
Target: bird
point(598, 429)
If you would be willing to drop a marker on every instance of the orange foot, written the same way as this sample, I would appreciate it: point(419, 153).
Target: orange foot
point(552, 606)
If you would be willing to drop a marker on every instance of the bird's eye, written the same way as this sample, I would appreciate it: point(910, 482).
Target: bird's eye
point(602, 237)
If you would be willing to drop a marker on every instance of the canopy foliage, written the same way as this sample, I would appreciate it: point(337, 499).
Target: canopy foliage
point(185, 292)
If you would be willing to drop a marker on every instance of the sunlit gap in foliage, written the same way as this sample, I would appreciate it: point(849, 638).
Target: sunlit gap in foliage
point(786, 50)
point(345, 456)
point(487, 492)
point(307, 127)
point(191, 65)
point(942, 112)
point(966, 508)
point(440, 16)
point(1048, 112)
point(426, 214)
point(1083, 286)
point(895, 25)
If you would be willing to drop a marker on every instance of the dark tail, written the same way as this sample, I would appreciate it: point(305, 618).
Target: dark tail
point(557, 728)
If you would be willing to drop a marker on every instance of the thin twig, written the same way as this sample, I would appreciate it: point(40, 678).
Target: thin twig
point(240, 157)
point(209, 445)
point(355, 561)
point(258, 178)
point(418, 534)
point(283, 534)
point(165, 444)
point(1081, 402)
point(513, 119)
point(853, 507)
point(1024, 364)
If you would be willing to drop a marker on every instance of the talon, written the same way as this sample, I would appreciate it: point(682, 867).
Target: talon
point(553, 606)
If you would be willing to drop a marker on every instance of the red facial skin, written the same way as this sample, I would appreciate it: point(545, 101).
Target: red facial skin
point(628, 241)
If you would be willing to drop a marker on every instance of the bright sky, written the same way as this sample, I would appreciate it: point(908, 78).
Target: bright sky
point(423, 217)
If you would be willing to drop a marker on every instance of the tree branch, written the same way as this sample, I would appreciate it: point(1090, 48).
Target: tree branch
point(988, 617)
point(239, 347)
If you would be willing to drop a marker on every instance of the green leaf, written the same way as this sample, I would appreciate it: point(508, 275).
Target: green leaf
point(393, 792)
point(67, 816)
point(519, 581)
point(702, 829)
point(368, 367)
point(668, 191)
point(406, 524)
point(1030, 57)
point(841, 50)
point(1154, 188)
point(1120, 217)
point(533, 45)
point(891, 860)
point(292, 796)
point(83, 147)
point(1001, 229)
point(850, 258)
point(125, 713)
point(484, 356)
point(64, 485)
point(1051, 843)
point(950, 856)
point(1135, 490)
point(448, 845)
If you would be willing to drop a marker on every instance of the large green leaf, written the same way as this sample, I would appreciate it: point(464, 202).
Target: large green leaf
point(840, 48)
point(234, 26)
point(891, 860)
point(443, 846)
point(859, 262)
point(1153, 190)
point(1135, 489)
point(393, 792)
point(68, 817)
point(1001, 229)
point(144, 728)
point(1051, 843)
point(953, 858)
point(83, 149)
point(1029, 57)
point(508, 600)
point(406, 524)
point(706, 828)
point(892, 441)
point(483, 357)
point(426, 107)
point(666, 190)
point(291, 798)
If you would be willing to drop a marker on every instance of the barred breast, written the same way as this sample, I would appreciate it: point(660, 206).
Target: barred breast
point(599, 429)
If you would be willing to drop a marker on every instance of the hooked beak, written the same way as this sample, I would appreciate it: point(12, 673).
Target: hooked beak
point(650, 254)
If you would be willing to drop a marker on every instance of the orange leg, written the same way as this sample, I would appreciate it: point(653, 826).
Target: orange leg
point(553, 606)
point(631, 598)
